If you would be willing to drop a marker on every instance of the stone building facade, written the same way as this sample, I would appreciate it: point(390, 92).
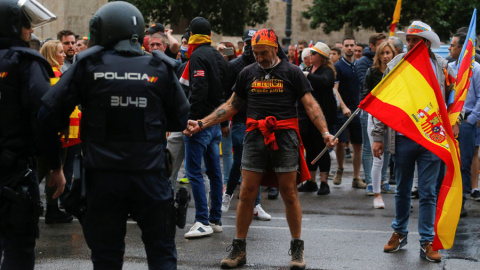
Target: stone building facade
point(301, 26)
point(75, 15)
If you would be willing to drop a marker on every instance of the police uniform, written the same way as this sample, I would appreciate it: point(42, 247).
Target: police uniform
point(129, 100)
point(24, 79)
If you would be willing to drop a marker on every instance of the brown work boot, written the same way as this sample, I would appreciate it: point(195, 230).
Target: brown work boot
point(395, 243)
point(237, 256)
point(296, 250)
point(358, 183)
point(338, 177)
point(427, 252)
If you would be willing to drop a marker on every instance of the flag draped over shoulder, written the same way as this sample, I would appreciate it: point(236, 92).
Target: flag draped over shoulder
point(396, 17)
point(464, 75)
point(410, 101)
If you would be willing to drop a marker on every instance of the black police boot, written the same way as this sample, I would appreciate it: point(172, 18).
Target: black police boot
point(55, 215)
point(273, 193)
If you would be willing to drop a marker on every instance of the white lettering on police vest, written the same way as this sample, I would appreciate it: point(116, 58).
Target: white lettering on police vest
point(120, 76)
point(119, 101)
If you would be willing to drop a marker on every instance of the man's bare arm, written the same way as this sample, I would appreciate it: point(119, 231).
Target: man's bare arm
point(345, 110)
point(318, 118)
point(315, 112)
point(222, 113)
point(174, 45)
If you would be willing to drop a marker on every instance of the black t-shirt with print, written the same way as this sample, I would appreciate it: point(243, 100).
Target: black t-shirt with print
point(276, 96)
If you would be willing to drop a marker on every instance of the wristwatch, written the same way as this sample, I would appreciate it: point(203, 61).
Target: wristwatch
point(326, 133)
point(200, 124)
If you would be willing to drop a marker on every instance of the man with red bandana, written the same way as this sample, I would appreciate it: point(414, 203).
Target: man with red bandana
point(270, 87)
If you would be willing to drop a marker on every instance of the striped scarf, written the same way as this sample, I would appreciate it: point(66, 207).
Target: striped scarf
point(193, 43)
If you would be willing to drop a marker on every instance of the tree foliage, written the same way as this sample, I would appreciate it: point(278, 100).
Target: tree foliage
point(226, 16)
point(444, 16)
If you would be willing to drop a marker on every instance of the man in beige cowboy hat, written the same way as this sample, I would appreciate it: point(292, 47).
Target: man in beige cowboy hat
point(406, 153)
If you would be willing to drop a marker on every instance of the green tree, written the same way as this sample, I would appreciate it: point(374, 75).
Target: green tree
point(226, 16)
point(444, 16)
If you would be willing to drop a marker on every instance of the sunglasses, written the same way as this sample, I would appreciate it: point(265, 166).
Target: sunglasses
point(313, 53)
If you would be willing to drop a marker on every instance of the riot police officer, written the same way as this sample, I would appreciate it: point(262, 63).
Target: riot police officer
point(24, 79)
point(129, 101)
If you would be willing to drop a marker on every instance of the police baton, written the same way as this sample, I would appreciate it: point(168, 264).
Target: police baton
point(338, 134)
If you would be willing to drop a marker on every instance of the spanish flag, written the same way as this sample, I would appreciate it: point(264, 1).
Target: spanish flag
point(410, 101)
point(396, 17)
point(464, 74)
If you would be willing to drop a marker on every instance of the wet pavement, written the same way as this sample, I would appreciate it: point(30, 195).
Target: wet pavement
point(341, 230)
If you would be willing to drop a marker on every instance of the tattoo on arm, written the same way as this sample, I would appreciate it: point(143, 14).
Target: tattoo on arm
point(237, 102)
point(221, 112)
point(318, 116)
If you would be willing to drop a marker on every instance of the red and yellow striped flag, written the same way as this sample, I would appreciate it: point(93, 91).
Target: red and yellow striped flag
point(410, 101)
point(464, 73)
point(396, 17)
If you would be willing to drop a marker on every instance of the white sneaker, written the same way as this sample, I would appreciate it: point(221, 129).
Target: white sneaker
point(216, 227)
point(332, 154)
point(378, 203)
point(199, 230)
point(226, 202)
point(259, 213)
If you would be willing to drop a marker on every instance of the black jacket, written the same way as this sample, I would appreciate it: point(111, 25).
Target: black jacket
point(322, 81)
point(372, 78)
point(364, 63)
point(128, 101)
point(234, 68)
point(24, 79)
point(207, 77)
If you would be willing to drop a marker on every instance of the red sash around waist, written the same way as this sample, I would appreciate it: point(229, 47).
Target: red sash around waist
point(268, 126)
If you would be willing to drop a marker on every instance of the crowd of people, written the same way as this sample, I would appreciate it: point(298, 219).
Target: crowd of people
point(268, 110)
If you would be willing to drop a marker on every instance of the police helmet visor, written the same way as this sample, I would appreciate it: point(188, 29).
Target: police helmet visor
point(36, 13)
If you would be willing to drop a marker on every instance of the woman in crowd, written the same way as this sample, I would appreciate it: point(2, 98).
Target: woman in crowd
point(385, 52)
point(52, 50)
point(321, 75)
point(227, 49)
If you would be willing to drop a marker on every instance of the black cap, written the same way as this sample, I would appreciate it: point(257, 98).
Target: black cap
point(186, 36)
point(155, 28)
point(200, 26)
point(248, 34)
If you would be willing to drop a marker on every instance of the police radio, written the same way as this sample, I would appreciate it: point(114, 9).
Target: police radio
point(182, 199)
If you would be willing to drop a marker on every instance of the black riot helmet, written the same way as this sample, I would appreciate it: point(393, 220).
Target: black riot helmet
point(17, 13)
point(118, 25)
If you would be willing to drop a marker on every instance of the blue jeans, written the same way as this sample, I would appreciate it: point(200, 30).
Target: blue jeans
point(407, 152)
point(227, 156)
point(367, 156)
point(466, 143)
point(205, 144)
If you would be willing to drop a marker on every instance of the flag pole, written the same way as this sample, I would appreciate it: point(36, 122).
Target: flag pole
point(338, 134)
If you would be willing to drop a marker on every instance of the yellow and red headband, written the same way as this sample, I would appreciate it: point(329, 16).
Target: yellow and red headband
point(265, 37)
